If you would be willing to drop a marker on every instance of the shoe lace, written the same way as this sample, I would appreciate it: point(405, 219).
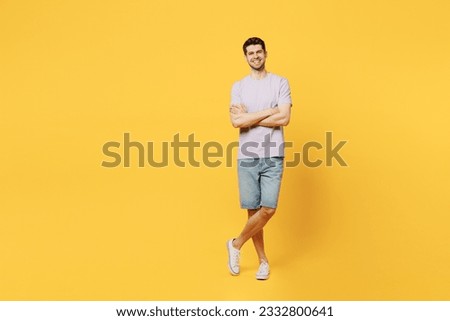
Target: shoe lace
point(263, 268)
point(235, 257)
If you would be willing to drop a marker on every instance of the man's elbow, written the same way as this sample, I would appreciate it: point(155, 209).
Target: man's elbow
point(284, 121)
point(236, 124)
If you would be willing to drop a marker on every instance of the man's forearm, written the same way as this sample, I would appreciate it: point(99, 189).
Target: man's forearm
point(242, 120)
point(280, 118)
point(273, 121)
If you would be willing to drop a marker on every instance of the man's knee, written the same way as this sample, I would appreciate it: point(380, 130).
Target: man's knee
point(267, 212)
point(251, 212)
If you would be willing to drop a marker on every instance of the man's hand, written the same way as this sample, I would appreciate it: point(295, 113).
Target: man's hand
point(238, 109)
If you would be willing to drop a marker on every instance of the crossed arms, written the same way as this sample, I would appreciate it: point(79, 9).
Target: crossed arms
point(270, 117)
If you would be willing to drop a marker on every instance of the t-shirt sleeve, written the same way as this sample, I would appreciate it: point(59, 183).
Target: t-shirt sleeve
point(235, 94)
point(285, 93)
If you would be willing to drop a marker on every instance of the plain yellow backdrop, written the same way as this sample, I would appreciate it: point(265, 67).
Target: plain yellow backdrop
point(77, 74)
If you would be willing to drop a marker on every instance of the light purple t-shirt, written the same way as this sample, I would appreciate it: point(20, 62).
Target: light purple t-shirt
point(258, 94)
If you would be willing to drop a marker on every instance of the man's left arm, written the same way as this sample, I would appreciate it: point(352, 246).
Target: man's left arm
point(281, 118)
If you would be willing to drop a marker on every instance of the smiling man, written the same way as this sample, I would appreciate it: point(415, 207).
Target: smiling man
point(260, 107)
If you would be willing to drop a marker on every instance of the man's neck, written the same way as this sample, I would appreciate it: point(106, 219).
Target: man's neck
point(258, 74)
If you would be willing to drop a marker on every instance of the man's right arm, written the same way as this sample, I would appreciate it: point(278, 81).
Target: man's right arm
point(240, 118)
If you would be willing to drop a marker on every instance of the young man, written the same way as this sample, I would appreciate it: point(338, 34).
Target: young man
point(260, 107)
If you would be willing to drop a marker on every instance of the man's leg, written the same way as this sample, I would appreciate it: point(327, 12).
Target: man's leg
point(258, 240)
point(270, 180)
point(253, 181)
point(255, 224)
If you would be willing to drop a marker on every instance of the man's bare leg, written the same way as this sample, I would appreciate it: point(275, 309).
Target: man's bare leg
point(255, 224)
point(258, 240)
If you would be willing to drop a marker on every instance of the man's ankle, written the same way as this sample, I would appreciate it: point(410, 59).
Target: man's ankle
point(233, 243)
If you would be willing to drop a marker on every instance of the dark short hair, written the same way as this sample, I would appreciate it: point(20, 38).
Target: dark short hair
point(253, 41)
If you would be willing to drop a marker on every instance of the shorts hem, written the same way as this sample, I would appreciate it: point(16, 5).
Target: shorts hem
point(269, 206)
point(244, 207)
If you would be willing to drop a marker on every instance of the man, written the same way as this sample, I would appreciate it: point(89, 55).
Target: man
point(260, 107)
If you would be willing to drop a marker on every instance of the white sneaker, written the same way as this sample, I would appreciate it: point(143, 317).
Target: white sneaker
point(263, 271)
point(233, 258)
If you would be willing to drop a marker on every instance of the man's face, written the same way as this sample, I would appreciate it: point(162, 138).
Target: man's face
point(256, 57)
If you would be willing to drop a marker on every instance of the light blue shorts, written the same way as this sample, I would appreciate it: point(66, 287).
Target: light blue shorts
point(259, 181)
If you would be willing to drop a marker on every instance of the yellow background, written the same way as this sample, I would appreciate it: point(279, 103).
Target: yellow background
point(77, 74)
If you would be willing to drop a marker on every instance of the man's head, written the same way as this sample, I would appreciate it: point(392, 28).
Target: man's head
point(253, 41)
point(255, 53)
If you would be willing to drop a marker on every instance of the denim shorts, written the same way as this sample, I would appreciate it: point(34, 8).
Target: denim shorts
point(259, 181)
